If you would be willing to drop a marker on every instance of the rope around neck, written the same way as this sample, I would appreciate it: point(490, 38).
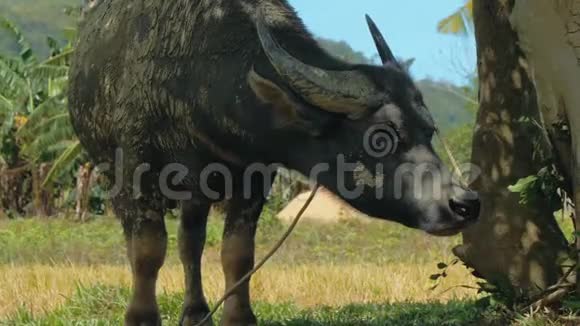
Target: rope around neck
point(263, 260)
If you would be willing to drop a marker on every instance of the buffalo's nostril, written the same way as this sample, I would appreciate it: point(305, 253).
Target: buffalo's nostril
point(467, 207)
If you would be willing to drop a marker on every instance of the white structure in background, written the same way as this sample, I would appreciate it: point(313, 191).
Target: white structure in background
point(325, 207)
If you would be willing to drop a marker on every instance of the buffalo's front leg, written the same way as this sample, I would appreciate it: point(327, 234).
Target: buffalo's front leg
point(238, 258)
point(146, 237)
point(192, 233)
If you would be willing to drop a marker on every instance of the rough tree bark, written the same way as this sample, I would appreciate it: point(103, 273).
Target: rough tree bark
point(511, 245)
point(549, 32)
point(42, 198)
point(15, 190)
point(84, 184)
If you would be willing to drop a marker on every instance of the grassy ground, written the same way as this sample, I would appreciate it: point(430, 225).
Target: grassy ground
point(102, 305)
point(58, 272)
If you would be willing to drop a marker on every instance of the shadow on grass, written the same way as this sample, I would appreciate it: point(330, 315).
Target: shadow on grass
point(424, 314)
point(102, 305)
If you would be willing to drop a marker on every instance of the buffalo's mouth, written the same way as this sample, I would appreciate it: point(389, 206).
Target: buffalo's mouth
point(446, 232)
point(449, 231)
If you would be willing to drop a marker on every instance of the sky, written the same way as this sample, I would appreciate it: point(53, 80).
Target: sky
point(410, 27)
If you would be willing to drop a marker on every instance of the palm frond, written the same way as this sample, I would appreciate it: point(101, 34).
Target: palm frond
point(37, 148)
point(8, 123)
point(46, 72)
point(61, 146)
point(63, 162)
point(61, 59)
point(12, 83)
point(458, 23)
point(38, 129)
point(57, 86)
point(15, 64)
point(31, 96)
point(51, 107)
point(6, 106)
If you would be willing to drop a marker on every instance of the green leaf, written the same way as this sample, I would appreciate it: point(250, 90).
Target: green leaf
point(67, 157)
point(523, 184)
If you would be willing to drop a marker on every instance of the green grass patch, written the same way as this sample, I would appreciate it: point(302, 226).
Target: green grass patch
point(101, 305)
point(101, 241)
point(58, 240)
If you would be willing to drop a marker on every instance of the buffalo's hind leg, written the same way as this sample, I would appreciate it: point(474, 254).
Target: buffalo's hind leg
point(146, 237)
point(192, 234)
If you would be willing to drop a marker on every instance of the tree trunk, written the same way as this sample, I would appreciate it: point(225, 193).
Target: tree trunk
point(42, 197)
point(15, 190)
point(512, 245)
point(83, 191)
point(550, 35)
point(47, 193)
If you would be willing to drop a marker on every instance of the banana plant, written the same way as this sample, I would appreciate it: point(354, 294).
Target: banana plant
point(34, 122)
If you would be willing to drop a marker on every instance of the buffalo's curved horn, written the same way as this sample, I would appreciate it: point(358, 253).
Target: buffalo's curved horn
point(346, 92)
point(384, 51)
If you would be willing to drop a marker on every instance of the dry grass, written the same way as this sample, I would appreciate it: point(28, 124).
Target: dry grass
point(44, 263)
point(42, 288)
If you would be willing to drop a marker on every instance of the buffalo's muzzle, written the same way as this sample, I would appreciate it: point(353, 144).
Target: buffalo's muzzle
point(466, 206)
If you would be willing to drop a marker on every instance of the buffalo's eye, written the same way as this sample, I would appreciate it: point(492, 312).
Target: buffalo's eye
point(397, 131)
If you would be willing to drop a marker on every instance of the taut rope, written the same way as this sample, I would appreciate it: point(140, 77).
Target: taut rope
point(452, 159)
point(264, 260)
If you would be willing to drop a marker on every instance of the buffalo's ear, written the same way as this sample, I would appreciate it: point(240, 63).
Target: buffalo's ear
point(289, 111)
point(270, 93)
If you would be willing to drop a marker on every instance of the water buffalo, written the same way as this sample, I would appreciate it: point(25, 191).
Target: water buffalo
point(198, 92)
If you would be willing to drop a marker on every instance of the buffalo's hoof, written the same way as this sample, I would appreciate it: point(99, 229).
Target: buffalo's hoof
point(135, 317)
point(240, 321)
point(191, 316)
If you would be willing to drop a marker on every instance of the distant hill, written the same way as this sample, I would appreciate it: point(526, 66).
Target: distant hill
point(450, 111)
point(41, 18)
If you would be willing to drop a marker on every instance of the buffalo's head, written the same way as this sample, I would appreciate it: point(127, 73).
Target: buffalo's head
point(368, 137)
